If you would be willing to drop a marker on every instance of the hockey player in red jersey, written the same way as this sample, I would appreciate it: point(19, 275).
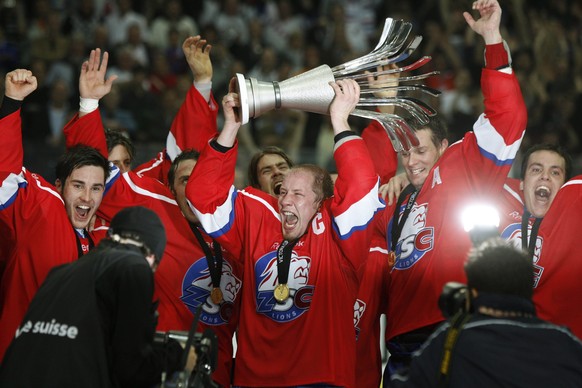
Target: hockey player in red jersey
point(558, 295)
point(300, 253)
point(424, 229)
point(42, 225)
point(545, 208)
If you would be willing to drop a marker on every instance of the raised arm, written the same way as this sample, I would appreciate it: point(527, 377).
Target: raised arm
point(195, 122)
point(86, 127)
point(375, 136)
point(355, 200)
point(488, 24)
point(491, 148)
point(19, 84)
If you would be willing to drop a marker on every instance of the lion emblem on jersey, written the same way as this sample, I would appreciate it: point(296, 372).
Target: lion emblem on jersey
point(196, 288)
point(416, 238)
point(266, 279)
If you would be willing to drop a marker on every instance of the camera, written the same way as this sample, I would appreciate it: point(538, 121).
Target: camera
point(454, 299)
point(206, 347)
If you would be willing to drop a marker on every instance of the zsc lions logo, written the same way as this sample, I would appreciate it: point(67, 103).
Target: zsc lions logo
point(416, 239)
point(512, 233)
point(196, 288)
point(266, 280)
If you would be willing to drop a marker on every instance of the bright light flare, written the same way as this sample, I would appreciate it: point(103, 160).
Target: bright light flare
point(479, 215)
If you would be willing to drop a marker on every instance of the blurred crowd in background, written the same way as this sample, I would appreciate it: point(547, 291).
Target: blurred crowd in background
point(272, 40)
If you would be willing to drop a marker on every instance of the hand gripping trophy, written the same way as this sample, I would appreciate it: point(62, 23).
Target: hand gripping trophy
point(311, 92)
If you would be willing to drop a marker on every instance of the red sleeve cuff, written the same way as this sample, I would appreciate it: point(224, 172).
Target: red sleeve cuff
point(496, 56)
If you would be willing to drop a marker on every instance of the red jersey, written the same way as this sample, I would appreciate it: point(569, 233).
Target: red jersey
point(433, 245)
point(36, 231)
point(556, 286)
point(381, 151)
point(309, 338)
point(558, 295)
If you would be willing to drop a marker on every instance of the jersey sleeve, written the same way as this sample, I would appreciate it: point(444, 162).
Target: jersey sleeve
point(11, 156)
point(382, 152)
point(355, 201)
point(131, 189)
point(87, 130)
point(490, 149)
point(12, 174)
point(214, 205)
point(194, 124)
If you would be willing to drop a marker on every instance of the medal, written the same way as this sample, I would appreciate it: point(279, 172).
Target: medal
point(391, 259)
point(281, 293)
point(214, 265)
point(216, 295)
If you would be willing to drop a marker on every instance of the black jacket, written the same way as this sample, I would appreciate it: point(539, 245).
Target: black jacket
point(500, 352)
point(91, 324)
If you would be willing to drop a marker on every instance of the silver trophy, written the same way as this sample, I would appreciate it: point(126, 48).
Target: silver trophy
point(311, 92)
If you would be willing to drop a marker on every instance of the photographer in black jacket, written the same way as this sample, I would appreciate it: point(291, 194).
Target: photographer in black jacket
point(92, 322)
point(495, 340)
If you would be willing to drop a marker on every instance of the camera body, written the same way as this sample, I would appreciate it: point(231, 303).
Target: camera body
point(454, 298)
point(206, 346)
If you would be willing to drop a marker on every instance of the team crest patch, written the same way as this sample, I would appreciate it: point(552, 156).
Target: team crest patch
point(196, 288)
point(300, 292)
point(416, 239)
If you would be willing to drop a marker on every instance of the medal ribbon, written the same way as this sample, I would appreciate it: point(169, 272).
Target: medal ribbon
point(396, 224)
point(284, 260)
point(214, 261)
point(529, 245)
point(80, 245)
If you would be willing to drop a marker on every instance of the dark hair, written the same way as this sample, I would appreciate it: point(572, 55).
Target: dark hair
point(322, 182)
point(552, 148)
point(189, 154)
point(79, 156)
point(499, 267)
point(438, 128)
point(253, 174)
point(114, 138)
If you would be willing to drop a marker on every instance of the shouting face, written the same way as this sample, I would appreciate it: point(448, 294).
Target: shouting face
point(545, 173)
point(298, 203)
point(82, 193)
point(271, 170)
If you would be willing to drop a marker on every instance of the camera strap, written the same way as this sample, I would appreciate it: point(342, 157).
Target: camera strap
point(451, 337)
point(529, 245)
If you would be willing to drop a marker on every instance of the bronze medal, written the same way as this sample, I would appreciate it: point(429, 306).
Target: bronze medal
point(391, 259)
point(281, 293)
point(216, 295)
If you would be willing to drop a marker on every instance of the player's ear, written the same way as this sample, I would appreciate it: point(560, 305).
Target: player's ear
point(59, 185)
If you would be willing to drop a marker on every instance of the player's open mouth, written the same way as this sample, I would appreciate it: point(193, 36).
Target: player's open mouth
point(277, 187)
point(289, 220)
point(82, 211)
point(542, 193)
